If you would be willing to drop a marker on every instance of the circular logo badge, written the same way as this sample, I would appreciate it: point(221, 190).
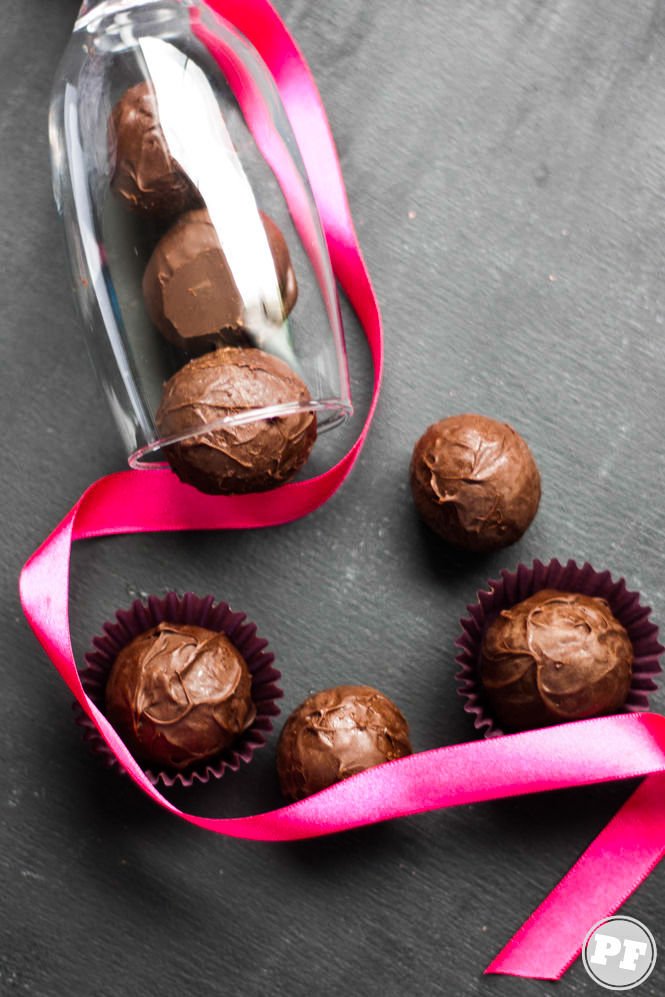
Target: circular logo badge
point(619, 953)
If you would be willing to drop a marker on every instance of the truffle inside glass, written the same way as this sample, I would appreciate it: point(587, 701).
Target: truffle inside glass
point(191, 228)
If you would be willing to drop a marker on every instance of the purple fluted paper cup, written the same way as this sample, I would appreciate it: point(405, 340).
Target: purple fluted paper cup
point(201, 612)
point(515, 586)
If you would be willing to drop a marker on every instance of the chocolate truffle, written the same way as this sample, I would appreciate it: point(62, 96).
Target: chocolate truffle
point(336, 733)
point(146, 176)
point(189, 290)
point(251, 457)
point(178, 694)
point(556, 656)
point(474, 482)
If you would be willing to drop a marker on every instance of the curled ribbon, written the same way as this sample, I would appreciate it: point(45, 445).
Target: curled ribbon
point(575, 754)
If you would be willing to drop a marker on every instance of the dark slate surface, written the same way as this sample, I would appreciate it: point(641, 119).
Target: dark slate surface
point(506, 166)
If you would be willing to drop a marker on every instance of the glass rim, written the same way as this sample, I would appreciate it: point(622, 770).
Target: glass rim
point(339, 410)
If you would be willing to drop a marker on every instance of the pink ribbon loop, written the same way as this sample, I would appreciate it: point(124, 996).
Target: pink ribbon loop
point(576, 754)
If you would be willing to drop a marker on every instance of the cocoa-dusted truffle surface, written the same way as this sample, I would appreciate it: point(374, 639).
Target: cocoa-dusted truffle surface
point(255, 456)
point(178, 694)
point(189, 290)
point(475, 482)
point(146, 176)
point(555, 656)
point(335, 734)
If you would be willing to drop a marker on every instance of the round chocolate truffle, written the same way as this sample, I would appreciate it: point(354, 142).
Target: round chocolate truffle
point(555, 656)
point(178, 694)
point(189, 290)
point(250, 457)
point(337, 733)
point(475, 482)
point(146, 176)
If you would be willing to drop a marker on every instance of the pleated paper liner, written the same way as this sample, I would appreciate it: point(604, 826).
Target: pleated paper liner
point(202, 612)
point(514, 586)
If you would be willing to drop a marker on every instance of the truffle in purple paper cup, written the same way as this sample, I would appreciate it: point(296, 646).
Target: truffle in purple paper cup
point(188, 685)
point(555, 642)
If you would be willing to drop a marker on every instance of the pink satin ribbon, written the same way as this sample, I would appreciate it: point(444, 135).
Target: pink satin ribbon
point(576, 754)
